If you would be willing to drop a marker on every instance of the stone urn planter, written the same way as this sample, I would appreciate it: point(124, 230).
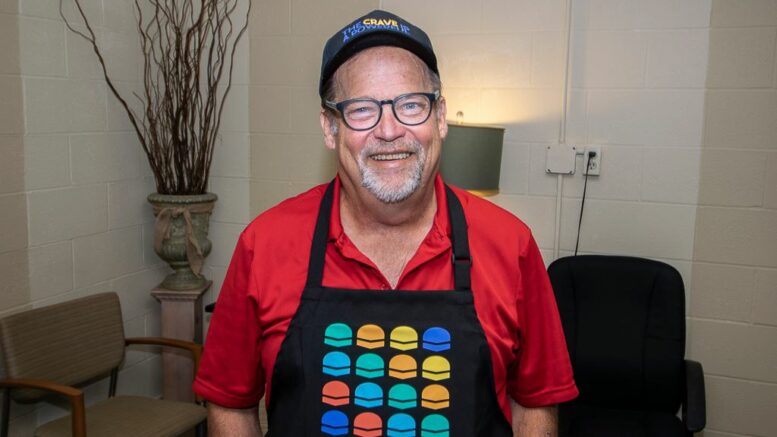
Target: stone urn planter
point(181, 236)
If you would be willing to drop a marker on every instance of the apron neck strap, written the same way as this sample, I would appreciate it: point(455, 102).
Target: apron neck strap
point(320, 237)
point(462, 262)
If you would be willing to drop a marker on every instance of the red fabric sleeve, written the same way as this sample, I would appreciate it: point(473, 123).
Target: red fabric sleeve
point(543, 374)
point(230, 373)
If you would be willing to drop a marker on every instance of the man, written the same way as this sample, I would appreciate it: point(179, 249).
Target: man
point(385, 303)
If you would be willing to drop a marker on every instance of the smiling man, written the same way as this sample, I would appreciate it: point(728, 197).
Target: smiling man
point(385, 302)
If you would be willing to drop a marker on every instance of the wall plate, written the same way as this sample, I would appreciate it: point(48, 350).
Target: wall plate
point(595, 165)
point(560, 159)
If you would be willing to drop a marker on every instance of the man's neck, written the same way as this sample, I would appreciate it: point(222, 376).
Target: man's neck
point(360, 209)
point(388, 234)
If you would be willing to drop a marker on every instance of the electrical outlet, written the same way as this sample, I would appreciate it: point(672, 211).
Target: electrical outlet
point(595, 164)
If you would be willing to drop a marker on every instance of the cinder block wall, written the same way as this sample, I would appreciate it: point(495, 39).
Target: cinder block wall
point(14, 268)
point(74, 217)
point(732, 326)
point(230, 173)
point(13, 201)
point(73, 178)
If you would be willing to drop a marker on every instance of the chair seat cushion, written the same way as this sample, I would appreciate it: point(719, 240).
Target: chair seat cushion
point(585, 421)
point(132, 416)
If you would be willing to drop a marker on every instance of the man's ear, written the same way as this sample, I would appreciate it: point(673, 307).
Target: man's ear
point(329, 130)
point(442, 120)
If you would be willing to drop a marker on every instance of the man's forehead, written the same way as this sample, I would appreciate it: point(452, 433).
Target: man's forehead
point(375, 56)
point(369, 61)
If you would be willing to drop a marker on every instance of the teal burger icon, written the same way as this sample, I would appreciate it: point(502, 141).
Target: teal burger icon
point(368, 395)
point(402, 397)
point(435, 425)
point(338, 335)
point(370, 366)
point(337, 364)
point(401, 425)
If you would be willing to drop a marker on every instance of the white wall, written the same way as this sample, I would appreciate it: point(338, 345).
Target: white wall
point(732, 326)
point(230, 173)
point(82, 225)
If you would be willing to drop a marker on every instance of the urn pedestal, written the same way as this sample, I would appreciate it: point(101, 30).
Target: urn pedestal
point(181, 319)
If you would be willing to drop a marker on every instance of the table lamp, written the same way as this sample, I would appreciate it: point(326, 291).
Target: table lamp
point(472, 157)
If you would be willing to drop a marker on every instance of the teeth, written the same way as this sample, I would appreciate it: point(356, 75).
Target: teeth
point(390, 157)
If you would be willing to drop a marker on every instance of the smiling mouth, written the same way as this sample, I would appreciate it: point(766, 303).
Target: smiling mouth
point(390, 156)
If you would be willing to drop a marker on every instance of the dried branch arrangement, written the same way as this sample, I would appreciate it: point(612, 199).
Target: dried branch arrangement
point(188, 49)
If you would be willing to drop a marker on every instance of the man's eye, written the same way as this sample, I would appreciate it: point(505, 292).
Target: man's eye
point(360, 111)
point(412, 107)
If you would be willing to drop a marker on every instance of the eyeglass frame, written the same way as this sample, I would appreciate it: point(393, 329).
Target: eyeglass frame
point(433, 97)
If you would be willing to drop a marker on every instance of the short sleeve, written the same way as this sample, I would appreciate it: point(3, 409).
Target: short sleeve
point(542, 375)
point(230, 373)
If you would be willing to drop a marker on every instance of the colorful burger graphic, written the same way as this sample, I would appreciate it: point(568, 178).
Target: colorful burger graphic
point(404, 338)
point(370, 337)
point(372, 406)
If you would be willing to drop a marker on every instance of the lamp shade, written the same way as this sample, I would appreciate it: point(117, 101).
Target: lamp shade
point(472, 157)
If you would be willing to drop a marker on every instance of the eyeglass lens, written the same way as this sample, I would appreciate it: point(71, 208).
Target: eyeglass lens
point(410, 109)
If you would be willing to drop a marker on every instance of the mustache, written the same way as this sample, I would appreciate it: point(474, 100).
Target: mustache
point(378, 147)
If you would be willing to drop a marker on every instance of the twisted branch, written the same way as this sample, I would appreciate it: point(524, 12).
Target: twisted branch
point(186, 45)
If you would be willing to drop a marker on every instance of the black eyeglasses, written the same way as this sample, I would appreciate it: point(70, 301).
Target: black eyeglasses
point(409, 109)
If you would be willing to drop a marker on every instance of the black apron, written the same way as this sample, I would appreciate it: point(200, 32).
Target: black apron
point(391, 363)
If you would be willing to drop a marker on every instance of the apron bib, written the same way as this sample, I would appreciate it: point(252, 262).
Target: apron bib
point(371, 363)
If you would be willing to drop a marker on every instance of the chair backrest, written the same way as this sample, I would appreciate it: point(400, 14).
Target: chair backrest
point(69, 343)
point(624, 321)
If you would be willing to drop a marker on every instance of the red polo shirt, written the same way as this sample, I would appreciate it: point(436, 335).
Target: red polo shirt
point(261, 292)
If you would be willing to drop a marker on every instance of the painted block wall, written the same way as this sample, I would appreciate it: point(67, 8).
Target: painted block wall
point(230, 176)
point(14, 267)
point(732, 324)
point(74, 217)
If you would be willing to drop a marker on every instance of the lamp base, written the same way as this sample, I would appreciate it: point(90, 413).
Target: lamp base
point(484, 193)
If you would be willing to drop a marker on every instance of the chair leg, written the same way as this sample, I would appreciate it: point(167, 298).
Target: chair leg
point(6, 412)
point(202, 429)
point(114, 378)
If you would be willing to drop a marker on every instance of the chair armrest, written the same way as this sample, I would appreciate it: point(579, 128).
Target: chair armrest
point(76, 397)
point(194, 348)
point(694, 404)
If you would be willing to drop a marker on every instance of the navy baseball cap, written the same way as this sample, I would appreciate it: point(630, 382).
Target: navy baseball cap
point(378, 28)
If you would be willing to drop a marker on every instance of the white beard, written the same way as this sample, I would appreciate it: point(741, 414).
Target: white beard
point(397, 188)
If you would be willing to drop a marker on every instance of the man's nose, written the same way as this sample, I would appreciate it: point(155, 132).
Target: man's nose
point(388, 127)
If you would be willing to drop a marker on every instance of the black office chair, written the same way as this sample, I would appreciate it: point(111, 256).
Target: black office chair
point(624, 322)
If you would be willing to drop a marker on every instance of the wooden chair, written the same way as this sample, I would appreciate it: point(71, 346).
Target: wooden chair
point(55, 349)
